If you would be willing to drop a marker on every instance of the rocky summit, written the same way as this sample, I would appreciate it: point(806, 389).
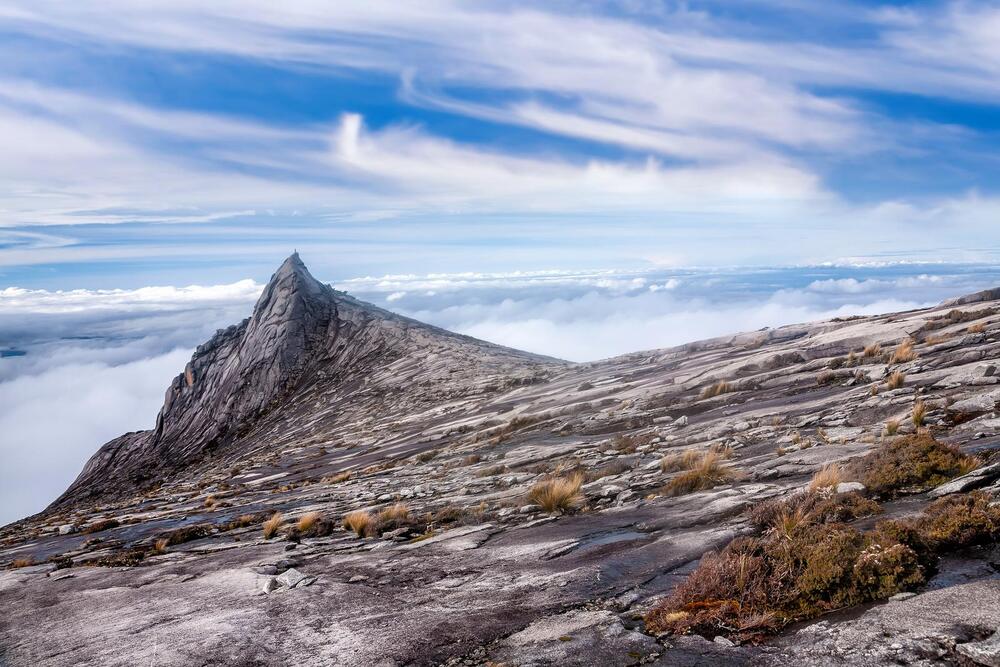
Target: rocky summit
point(329, 483)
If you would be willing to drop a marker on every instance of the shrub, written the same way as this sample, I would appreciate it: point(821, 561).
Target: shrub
point(680, 461)
point(828, 477)
point(424, 457)
point(307, 521)
point(362, 523)
point(799, 570)
point(707, 473)
point(978, 327)
point(720, 387)
point(814, 507)
point(392, 517)
point(336, 479)
point(187, 534)
point(903, 353)
point(825, 377)
point(471, 459)
point(558, 494)
point(272, 525)
point(959, 521)
point(910, 463)
point(103, 524)
point(896, 380)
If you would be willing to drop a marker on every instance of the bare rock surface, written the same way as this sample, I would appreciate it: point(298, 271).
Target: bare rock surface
point(319, 405)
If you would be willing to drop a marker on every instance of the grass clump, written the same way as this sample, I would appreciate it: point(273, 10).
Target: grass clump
point(186, 534)
point(891, 427)
point(18, 563)
point(394, 516)
point(978, 327)
point(337, 479)
point(558, 494)
point(308, 521)
point(896, 380)
point(873, 350)
point(910, 463)
point(361, 523)
point(708, 472)
point(103, 524)
point(271, 526)
point(903, 353)
point(717, 389)
point(680, 461)
point(827, 478)
point(919, 413)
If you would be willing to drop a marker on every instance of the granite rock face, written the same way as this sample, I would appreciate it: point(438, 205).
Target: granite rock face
point(319, 406)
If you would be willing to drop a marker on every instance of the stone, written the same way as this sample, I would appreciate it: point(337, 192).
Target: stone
point(67, 529)
point(530, 508)
point(905, 595)
point(681, 421)
point(848, 487)
point(973, 480)
point(986, 652)
point(269, 584)
point(291, 578)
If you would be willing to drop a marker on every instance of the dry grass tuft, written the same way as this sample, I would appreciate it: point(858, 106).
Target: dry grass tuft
point(896, 380)
point(307, 521)
point(903, 353)
point(272, 525)
point(559, 494)
point(160, 546)
point(338, 478)
point(679, 461)
point(827, 478)
point(873, 350)
point(891, 427)
point(362, 523)
point(394, 516)
point(919, 413)
point(21, 562)
point(707, 473)
point(978, 327)
point(720, 387)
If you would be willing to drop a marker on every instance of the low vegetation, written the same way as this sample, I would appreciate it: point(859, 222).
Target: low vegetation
point(271, 526)
point(827, 478)
point(809, 562)
point(361, 522)
point(896, 380)
point(558, 494)
point(910, 463)
point(98, 526)
point(717, 389)
point(903, 353)
point(186, 534)
point(919, 413)
point(706, 473)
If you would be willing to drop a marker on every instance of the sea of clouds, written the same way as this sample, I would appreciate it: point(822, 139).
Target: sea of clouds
point(96, 363)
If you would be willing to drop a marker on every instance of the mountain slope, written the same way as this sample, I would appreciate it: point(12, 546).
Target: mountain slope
point(230, 543)
point(304, 341)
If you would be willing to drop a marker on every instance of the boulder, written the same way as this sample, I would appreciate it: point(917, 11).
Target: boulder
point(973, 480)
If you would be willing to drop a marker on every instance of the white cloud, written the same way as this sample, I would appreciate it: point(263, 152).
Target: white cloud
point(53, 421)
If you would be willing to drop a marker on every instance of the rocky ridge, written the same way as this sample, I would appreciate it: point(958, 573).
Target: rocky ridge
point(320, 405)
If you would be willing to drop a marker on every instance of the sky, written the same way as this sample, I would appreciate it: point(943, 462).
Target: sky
point(578, 178)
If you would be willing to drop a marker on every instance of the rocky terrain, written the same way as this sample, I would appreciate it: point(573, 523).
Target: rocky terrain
point(332, 484)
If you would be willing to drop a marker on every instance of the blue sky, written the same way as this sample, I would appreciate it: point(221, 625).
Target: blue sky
point(177, 142)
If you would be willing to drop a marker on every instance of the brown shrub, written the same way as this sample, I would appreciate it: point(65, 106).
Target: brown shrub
point(978, 327)
point(828, 477)
point(187, 534)
point(307, 521)
point(959, 521)
point(21, 562)
point(896, 380)
point(903, 353)
point(362, 523)
point(707, 473)
point(103, 524)
point(392, 517)
point(558, 494)
point(720, 387)
point(680, 461)
point(812, 507)
point(873, 350)
point(272, 525)
point(336, 479)
point(910, 463)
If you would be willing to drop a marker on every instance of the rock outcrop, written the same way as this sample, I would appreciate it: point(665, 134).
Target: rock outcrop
point(222, 535)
